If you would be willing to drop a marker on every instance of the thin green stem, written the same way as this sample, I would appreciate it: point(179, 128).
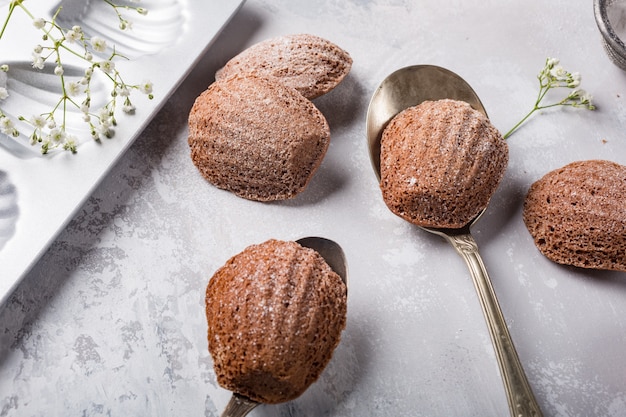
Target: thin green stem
point(543, 90)
point(514, 128)
point(6, 21)
point(547, 106)
point(19, 3)
point(65, 99)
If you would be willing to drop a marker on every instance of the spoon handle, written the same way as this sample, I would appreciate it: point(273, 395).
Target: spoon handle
point(522, 402)
point(238, 406)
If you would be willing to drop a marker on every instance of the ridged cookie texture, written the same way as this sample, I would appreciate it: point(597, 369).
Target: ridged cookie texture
point(577, 215)
point(259, 139)
point(441, 161)
point(275, 314)
point(308, 63)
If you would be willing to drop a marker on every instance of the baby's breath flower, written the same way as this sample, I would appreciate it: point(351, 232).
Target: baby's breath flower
point(45, 146)
point(558, 73)
point(38, 122)
point(581, 98)
point(146, 87)
point(73, 89)
point(103, 131)
point(87, 78)
point(34, 138)
point(39, 23)
point(126, 24)
point(122, 91)
point(586, 98)
point(84, 107)
point(107, 66)
point(70, 143)
point(574, 80)
point(98, 44)
point(56, 135)
point(551, 62)
point(553, 75)
point(129, 107)
point(58, 70)
point(38, 61)
point(5, 123)
point(4, 68)
point(103, 114)
point(72, 36)
point(4, 93)
point(7, 127)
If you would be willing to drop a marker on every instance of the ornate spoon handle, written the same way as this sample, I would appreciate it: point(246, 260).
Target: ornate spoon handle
point(522, 402)
point(238, 406)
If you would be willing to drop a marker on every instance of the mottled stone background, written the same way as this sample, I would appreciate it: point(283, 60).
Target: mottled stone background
point(110, 321)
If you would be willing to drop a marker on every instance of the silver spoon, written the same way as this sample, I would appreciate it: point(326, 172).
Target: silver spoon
point(240, 405)
point(408, 87)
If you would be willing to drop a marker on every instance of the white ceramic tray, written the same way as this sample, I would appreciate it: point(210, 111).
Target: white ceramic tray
point(39, 194)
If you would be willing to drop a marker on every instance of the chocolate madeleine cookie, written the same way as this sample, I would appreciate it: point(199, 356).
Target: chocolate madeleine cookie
point(308, 63)
point(441, 161)
point(259, 139)
point(577, 216)
point(275, 314)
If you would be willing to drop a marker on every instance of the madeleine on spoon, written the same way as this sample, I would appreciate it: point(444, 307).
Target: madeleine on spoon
point(275, 314)
point(441, 161)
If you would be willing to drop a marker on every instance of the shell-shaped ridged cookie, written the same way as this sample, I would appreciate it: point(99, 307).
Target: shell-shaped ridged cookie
point(308, 63)
point(275, 314)
point(441, 161)
point(577, 216)
point(258, 139)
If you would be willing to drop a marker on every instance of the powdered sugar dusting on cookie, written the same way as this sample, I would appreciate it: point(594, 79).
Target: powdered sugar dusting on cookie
point(275, 314)
point(440, 163)
point(308, 63)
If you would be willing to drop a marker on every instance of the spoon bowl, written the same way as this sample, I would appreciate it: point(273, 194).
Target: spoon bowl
point(331, 252)
point(409, 87)
point(240, 405)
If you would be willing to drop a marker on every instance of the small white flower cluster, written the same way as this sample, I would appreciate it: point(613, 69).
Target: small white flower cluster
point(6, 124)
point(126, 24)
point(4, 93)
point(56, 42)
point(552, 76)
